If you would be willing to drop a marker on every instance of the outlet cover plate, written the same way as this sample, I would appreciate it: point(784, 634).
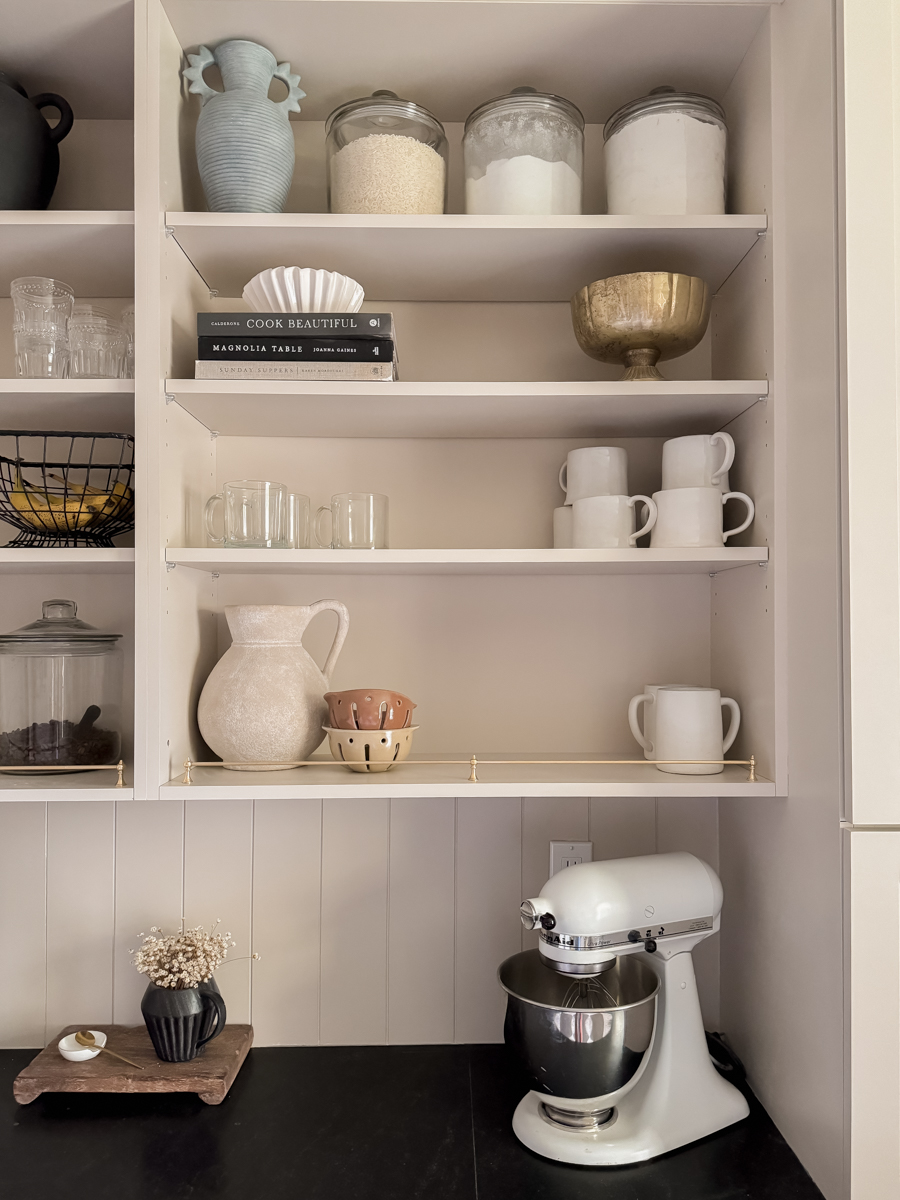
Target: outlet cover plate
point(567, 854)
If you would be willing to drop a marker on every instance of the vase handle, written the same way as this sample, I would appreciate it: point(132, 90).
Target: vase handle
point(66, 116)
point(291, 102)
point(194, 73)
point(216, 1000)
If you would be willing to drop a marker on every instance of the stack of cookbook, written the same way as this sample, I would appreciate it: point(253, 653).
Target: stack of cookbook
point(309, 346)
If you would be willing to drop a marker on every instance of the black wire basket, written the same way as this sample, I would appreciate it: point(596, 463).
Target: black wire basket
point(66, 489)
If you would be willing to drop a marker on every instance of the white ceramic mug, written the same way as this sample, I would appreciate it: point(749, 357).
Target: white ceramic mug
point(647, 699)
point(689, 726)
point(693, 517)
point(700, 460)
point(608, 522)
point(594, 471)
point(562, 528)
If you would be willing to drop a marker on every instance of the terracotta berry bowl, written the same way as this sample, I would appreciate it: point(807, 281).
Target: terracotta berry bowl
point(372, 708)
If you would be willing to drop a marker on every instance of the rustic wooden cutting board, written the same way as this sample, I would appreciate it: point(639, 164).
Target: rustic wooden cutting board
point(210, 1074)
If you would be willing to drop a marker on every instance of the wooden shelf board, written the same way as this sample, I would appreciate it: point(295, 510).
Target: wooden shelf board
point(75, 560)
point(92, 251)
point(412, 779)
point(464, 258)
point(466, 410)
point(77, 404)
point(467, 562)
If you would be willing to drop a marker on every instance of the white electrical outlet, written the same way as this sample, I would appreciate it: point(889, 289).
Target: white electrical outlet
point(568, 854)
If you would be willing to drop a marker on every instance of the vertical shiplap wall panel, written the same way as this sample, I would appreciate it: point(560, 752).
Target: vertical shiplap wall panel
point(693, 825)
point(218, 858)
point(421, 921)
point(148, 890)
point(22, 924)
point(488, 894)
point(622, 827)
point(287, 849)
point(80, 912)
point(353, 995)
point(543, 821)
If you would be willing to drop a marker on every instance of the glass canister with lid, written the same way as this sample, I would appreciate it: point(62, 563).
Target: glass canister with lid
point(524, 155)
point(666, 155)
point(385, 155)
point(60, 692)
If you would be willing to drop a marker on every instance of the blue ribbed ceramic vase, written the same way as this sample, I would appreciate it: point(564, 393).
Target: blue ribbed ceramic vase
point(245, 147)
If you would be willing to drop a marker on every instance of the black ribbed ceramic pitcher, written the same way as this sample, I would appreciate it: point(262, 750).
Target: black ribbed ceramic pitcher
point(29, 159)
point(181, 1021)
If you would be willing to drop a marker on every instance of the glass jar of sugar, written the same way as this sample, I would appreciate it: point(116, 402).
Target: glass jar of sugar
point(666, 154)
point(385, 155)
point(524, 155)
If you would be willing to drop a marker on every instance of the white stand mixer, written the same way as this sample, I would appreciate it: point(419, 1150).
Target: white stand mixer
point(658, 1090)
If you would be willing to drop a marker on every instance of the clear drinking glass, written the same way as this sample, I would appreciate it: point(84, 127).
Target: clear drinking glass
point(253, 515)
point(359, 521)
point(97, 345)
point(41, 311)
point(126, 320)
point(296, 522)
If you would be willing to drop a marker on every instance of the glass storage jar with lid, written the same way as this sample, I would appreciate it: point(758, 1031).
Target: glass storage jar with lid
point(60, 692)
point(666, 154)
point(385, 155)
point(524, 155)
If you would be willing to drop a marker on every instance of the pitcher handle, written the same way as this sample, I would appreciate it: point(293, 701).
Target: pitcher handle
point(218, 1003)
point(343, 617)
point(291, 102)
point(751, 513)
point(734, 724)
point(66, 116)
point(728, 442)
point(636, 702)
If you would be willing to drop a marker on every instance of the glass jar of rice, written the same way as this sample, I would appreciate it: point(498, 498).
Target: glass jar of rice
point(385, 155)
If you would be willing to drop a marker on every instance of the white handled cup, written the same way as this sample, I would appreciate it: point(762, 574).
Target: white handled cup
point(700, 460)
point(594, 471)
point(647, 700)
point(562, 528)
point(689, 726)
point(693, 517)
point(608, 522)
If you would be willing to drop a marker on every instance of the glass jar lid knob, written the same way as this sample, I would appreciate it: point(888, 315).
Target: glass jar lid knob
point(59, 610)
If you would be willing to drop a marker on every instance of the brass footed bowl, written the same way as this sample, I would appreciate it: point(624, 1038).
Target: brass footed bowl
point(639, 319)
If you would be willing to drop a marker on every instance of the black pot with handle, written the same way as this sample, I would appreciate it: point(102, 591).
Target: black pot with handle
point(181, 1021)
point(29, 158)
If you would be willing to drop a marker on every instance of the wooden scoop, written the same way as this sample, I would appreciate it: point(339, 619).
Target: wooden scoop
point(84, 1037)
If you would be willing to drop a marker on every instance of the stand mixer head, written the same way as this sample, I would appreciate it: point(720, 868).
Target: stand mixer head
point(605, 1015)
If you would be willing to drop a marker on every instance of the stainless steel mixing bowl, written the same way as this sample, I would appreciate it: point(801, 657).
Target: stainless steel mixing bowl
point(579, 1037)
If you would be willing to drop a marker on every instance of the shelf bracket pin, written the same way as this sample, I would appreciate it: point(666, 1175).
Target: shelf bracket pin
point(214, 575)
point(170, 231)
point(188, 767)
point(120, 769)
point(171, 566)
point(713, 574)
point(751, 778)
point(213, 434)
point(213, 293)
point(170, 398)
point(473, 763)
point(762, 564)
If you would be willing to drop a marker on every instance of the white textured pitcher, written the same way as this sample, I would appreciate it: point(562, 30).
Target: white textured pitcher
point(264, 699)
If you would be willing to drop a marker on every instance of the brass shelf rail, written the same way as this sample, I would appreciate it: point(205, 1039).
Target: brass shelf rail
point(118, 767)
point(474, 763)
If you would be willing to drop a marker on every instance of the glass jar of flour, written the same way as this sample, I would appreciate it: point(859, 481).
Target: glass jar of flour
point(524, 155)
point(385, 155)
point(666, 154)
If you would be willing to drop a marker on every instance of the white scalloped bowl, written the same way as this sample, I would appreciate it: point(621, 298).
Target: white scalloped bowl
point(303, 289)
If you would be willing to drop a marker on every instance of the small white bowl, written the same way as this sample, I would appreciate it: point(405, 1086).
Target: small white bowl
point(370, 750)
point(302, 289)
point(71, 1050)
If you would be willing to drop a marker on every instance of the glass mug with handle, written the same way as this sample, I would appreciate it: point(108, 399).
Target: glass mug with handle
point(359, 521)
point(253, 517)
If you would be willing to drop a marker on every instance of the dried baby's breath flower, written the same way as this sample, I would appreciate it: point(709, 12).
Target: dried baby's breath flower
point(181, 960)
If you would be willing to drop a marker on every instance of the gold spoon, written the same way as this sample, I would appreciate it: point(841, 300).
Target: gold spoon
point(84, 1037)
